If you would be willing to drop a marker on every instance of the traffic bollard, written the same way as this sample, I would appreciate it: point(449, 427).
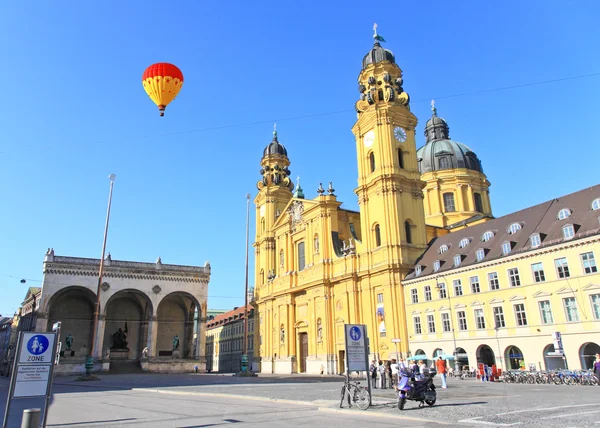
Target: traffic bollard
point(31, 418)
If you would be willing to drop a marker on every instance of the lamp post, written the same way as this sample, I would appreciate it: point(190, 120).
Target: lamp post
point(245, 354)
point(89, 363)
point(439, 287)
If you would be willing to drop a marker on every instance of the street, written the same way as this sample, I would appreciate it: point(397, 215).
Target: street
point(152, 400)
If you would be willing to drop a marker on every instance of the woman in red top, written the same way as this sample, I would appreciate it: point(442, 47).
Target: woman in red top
point(441, 370)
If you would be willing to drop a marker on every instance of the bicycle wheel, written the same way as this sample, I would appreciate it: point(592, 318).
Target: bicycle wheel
point(362, 398)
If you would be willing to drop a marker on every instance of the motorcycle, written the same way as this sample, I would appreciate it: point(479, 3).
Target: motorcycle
point(421, 390)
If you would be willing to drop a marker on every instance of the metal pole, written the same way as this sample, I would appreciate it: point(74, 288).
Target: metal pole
point(245, 354)
point(31, 418)
point(89, 364)
point(13, 379)
point(456, 366)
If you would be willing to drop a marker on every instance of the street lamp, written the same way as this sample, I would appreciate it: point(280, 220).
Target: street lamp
point(89, 363)
point(440, 287)
point(245, 354)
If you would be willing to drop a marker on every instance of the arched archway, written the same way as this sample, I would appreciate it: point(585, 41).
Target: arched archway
point(128, 310)
point(74, 308)
point(461, 358)
point(176, 318)
point(553, 362)
point(514, 358)
point(485, 355)
point(420, 352)
point(436, 352)
point(587, 354)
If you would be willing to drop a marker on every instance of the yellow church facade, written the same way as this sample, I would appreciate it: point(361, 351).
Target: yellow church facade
point(319, 266)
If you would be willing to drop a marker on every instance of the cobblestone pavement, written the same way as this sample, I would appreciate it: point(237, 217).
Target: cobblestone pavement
point(464, 403)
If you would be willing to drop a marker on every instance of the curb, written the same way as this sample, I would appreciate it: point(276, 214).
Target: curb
point(296, 402)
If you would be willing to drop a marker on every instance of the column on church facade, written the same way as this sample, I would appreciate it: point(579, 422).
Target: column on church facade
point(152, 336)
point(471, 197)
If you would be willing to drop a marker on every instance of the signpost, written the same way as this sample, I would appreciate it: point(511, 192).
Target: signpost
point(357, 351)
point(396, 342)
point(33, 369)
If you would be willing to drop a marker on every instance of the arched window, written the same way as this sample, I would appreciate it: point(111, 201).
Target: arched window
point(263, 225)
point(564, 213)
point(478, 202)
point(514, 228)
point(464, 242)
point(372, 161)
point(407, 231)
point(400, 159)
point(377, 236)
point(449, 202)
point(596, 204)
point(443, 249)
point(487, 236)
point(262, 276)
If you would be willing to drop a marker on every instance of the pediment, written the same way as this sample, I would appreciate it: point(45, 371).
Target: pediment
point(591, 287)
point(383, 346)
point(541, 294)
point(416, 312)
point(516, 298)
point(565, 290)
point(339, 320)
point(300, 324)
point(477, 303)
point(495, 301)
point(443, 308)
point(460, 306)
point(285, 213)
point(427, 311)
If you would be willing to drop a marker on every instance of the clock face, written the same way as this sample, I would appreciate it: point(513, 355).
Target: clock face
point(400, 134)
point(369, 138)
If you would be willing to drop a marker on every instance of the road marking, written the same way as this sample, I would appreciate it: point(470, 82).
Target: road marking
point(477, 421)
point(571, 415)
point(546, 409)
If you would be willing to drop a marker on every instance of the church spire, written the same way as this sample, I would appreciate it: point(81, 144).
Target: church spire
point(436, 128)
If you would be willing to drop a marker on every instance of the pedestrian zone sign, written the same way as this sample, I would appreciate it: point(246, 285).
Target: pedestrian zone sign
point(356, 347)
point(37, 348)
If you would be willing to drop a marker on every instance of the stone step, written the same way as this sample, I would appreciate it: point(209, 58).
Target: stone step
point(125, 366)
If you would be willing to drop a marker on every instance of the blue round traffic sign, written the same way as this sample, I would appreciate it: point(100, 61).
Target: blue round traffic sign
point(37, 345)
point(355, 333)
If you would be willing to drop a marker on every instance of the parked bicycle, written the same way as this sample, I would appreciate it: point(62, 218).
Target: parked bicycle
point(355, 394)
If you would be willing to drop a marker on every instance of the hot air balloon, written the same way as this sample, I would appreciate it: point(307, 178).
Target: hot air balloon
point(162, 82)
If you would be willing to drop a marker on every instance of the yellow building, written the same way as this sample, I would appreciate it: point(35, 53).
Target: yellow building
point(225, 341)
point(319, 266)
point(497, 292)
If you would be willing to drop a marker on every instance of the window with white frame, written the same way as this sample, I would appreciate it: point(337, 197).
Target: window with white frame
point(442, 287)
point(427, 293)
point(568, 231)
point(380, 298)
point(418, 270)
point(535, 240)
point(493, 281)
point(446, 322)
point(479, 319)
point(513, 277)
point(596, 204)
point(458, 291)
point(414, 294)
point(506, 248)
point(430, 324)
point(461, 316)
point(417, 322)
point(562, 267)
point(480, 254)
point(564, 213)
point(436, 265)
point(443, 249)
point(449, 202)
point(475, 288)
point(457, 260)
point(589, 263)
point(538, 272)
point(499, 317)
point(514, 228)
point(546, 312)
point(596, 305)
point(520, 315)
point(571, 311)
point(487, 236)
point(464, 242)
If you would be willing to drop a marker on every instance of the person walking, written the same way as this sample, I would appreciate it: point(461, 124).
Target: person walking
point(597, 367)
point(440, 365)
point(381, 375)
point(373, 371)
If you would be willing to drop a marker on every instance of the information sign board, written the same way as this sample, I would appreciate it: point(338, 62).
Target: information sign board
point(357, 355)
point(396, 340)
point(32, 380)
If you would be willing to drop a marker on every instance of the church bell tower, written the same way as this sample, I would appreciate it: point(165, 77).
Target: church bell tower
point(390, 191)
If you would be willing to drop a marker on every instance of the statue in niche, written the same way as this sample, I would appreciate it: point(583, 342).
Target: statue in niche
point(69, 341)
point(319, 330)
point(317, 244)
point(282, 335)
point(120, 339)
point(175, 342)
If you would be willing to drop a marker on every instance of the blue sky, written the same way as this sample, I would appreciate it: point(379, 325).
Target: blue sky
point(74, 111)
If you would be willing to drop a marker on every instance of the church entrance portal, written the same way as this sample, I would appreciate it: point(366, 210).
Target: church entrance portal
point(303, 337)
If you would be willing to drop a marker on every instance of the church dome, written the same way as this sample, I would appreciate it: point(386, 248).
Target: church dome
point(275, 147)
point(440, 152)
point(377, 54)
point(447, 154)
